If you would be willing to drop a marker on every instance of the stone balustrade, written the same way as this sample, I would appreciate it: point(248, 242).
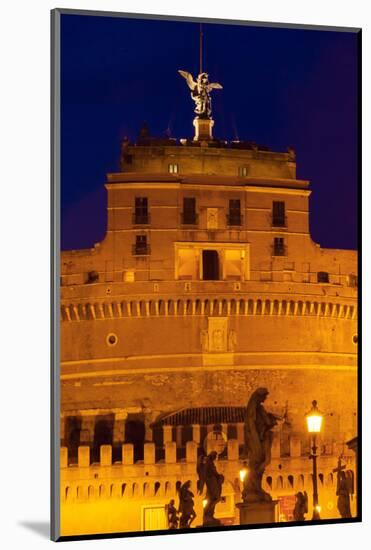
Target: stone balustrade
point(128, 479)
point(209, 307)
point(234, 451)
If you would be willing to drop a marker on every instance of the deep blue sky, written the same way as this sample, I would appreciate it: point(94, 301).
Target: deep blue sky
point(281, 87)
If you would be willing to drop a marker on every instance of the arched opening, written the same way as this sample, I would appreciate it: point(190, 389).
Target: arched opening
point(72, 440)
point(187, 435)
point(103, 434)
point(134, 433)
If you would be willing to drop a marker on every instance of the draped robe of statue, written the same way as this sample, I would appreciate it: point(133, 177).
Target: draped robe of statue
point(343, 494)
point(186, 506)
point(209, 476)
point(258, 441)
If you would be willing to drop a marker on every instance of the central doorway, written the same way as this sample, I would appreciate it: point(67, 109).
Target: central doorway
point(210, 265)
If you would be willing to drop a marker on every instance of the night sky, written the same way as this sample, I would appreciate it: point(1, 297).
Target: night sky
point(281, 87)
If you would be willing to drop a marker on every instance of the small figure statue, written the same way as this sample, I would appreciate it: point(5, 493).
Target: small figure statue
point(200, 92)
point(172, 515)
point(186, 506)
point(301, 506)
point(209, 475)
point(343, 491)
point(258, 442)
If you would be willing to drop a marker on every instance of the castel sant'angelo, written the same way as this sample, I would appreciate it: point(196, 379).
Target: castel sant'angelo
point(206, 286)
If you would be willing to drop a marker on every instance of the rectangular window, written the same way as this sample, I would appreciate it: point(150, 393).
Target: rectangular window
point(242, 171)
point(141, 216)
point(234, 214)
point(353, 280)
point(279, 246)
point(141, 247)
point(322, 277)
point(173, 168)
point(189, 215)
point(278, 214)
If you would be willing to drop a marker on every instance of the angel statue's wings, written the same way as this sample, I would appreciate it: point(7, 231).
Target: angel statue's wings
point(189, 78)
point(215, 86)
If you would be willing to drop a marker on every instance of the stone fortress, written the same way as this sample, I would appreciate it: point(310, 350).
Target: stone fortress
point(206, 286)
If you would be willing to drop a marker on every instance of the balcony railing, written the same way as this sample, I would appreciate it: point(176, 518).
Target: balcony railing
point(189, 218)
point(234, 219)
point(279, 250)
point(279, 221)
point(140, 218)
point(141, 250)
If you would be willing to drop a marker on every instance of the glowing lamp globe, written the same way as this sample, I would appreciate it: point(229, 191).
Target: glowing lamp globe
point(314, 419)
point(243, 474)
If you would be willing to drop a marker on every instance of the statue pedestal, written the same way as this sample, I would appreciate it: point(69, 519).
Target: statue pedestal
point(203, 129)
point(252, 513)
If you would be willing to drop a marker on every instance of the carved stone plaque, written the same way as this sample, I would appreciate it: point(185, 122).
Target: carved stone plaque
point(218, 334)
point(212, 218)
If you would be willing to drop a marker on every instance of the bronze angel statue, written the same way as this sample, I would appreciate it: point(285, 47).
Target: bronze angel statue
point(258, 441)
point(200, 92)
point(209, 476)
point(186, 506)
point(301, 506)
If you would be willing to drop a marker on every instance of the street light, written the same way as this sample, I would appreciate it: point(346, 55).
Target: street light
point(243, 472)
point(314, 423)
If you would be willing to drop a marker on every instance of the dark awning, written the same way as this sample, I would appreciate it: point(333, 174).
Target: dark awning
point(203, 416)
